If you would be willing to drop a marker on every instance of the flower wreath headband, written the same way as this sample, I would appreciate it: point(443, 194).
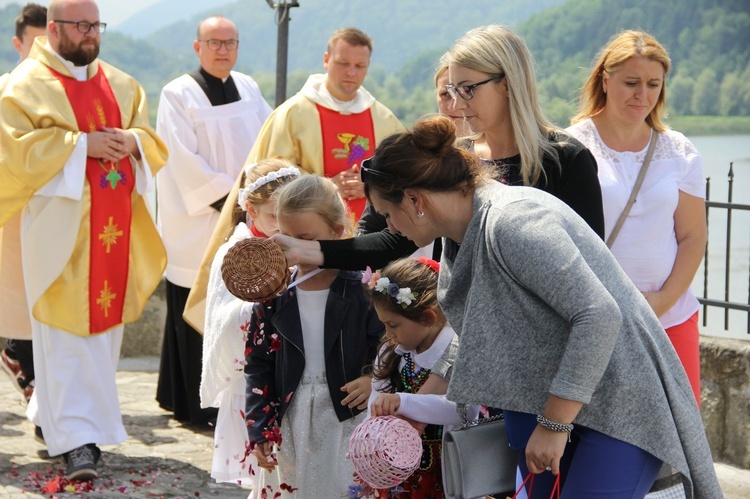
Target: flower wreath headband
point(243, 193)
point(403, 296)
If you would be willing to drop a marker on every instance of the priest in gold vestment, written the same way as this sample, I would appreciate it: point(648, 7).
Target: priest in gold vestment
point(77, 156)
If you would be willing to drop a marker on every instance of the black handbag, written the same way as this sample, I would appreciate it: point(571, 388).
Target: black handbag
point(478, 460)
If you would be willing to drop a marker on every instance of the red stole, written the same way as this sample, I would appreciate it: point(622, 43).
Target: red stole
point(111, 185)
point(347, 140)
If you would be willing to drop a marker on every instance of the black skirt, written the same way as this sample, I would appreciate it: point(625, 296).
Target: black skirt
point(178, 389)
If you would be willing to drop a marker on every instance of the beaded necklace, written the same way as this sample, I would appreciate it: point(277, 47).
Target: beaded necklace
point(412, 380)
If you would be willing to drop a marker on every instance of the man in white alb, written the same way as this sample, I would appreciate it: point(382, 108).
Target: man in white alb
point(17, 358)
point(209, 120)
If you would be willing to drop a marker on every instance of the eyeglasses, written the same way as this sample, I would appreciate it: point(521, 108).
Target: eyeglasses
point(467, 91)
point(367, 171)
point(214, 44)
point(85, 26)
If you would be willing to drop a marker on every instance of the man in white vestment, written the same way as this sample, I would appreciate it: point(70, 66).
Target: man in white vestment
point(17, 358)
point(77, 157)
point(30, 23)
point(209, 120)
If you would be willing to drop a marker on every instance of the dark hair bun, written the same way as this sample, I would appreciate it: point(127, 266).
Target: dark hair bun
point(436, 135)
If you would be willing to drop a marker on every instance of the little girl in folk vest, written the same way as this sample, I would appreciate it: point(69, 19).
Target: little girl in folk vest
point(417, 335)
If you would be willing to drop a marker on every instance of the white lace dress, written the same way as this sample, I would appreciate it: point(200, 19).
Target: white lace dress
point(312, 458)
point(222, 375)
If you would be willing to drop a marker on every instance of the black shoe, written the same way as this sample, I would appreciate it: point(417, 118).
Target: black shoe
point(38, 435)
point(81, 462)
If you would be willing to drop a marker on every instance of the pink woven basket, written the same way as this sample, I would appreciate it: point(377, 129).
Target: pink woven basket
point(385, 451)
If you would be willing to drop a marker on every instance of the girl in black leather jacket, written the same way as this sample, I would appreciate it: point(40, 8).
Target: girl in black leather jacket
point(306, 354)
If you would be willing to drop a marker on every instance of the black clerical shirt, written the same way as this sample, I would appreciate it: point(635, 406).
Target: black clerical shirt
point(218, 92)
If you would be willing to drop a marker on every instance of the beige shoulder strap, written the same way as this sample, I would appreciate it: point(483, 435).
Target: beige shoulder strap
point(636, 188)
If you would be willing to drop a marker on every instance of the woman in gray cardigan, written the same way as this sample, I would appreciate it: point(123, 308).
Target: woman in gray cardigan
point(551, 328)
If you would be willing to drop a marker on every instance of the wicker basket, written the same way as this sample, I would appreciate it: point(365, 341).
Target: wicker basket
point(255, 269)
point(385, 451)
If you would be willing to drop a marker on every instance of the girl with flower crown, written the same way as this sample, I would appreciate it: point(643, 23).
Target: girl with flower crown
point(306, 353)
point(417, 335)
point(227, 319)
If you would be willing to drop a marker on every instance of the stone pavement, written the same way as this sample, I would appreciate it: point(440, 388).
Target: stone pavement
point(161, 457)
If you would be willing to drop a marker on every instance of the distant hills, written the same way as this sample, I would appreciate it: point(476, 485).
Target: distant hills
point(152, 18)
point(709, 41)
point(151, 42)
point(400, 29)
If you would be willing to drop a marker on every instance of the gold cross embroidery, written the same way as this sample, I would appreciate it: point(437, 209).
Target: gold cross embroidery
point(105, 298)
point(110, 234)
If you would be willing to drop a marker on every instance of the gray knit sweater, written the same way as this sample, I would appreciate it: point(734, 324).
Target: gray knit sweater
point(543, 308)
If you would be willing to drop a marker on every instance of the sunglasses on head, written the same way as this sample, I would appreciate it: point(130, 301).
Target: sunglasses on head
point(367, 171)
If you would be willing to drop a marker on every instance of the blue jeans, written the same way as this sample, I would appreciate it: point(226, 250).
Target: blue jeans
point(593, 465)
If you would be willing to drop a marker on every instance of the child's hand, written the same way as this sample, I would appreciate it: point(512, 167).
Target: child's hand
point(386, 404)
point(359, 392)
point(264, 454)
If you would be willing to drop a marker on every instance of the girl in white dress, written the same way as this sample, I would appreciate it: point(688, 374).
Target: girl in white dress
point(227, 319)
point(307, 351)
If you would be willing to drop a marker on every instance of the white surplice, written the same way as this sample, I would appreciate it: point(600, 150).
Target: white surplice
point(208, 146)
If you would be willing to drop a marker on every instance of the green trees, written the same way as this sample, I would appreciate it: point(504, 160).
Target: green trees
point(705, 94)
point(708, 40)
point(730, 95)
point(680, 93)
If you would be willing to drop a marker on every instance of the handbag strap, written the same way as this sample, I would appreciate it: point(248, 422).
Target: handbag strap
point(466, 423)
point(554, 493)
point(529, 477)
point(636, 188)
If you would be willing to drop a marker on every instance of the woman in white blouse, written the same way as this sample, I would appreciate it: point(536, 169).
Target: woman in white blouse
point(662, 241)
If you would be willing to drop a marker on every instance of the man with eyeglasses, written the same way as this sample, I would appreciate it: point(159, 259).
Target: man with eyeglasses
point(209, 120)
point(78, 156)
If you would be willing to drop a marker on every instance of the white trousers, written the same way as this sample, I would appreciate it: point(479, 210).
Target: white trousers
point(75, 396)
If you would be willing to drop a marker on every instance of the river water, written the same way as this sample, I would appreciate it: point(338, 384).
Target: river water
point(718, 152)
